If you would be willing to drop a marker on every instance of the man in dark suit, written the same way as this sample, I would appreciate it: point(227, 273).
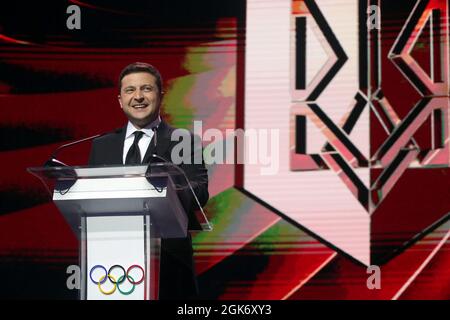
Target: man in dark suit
point(146, 134)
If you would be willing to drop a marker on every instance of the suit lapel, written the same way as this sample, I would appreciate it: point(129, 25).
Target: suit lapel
point(116, 155)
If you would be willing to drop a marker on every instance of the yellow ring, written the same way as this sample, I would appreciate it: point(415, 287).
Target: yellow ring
point(107, 292)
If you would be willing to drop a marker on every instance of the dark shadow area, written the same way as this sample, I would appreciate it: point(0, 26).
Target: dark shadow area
point(31, 280)
point(20, 136)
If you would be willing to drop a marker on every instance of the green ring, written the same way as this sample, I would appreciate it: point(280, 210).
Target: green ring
point(120, 280)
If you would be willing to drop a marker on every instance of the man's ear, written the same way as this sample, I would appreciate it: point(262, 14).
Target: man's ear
point(120, 101)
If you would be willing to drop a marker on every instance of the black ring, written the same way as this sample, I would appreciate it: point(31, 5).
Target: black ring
point(124, 274)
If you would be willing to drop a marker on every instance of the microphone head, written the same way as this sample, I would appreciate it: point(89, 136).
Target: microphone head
point(65, 178)
point(155, 137)
point(53, 162)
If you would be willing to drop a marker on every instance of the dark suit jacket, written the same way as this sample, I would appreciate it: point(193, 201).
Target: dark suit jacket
point(177, 274)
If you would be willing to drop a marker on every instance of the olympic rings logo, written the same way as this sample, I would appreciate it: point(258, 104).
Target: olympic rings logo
point(117, 281)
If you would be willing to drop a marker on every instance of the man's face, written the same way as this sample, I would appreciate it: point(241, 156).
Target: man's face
point(140, 98)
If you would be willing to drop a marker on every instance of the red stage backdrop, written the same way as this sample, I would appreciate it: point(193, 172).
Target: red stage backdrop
point(358, 92)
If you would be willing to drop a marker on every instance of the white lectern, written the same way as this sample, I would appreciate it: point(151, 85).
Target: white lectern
point(119, 215)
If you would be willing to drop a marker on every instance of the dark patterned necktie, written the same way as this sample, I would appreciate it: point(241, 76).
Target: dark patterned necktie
point(134, 154)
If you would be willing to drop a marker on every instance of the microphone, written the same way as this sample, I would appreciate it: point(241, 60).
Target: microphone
point(155, 138)
point(176, 167)
point(66, 177)
point(54, 162)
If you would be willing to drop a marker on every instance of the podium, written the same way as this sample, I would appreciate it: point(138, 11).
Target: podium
point(119, 215)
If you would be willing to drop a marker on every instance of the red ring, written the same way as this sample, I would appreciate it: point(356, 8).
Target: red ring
point(131, 280)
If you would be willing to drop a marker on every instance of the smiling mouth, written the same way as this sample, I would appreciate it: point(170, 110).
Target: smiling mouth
point(140, 106)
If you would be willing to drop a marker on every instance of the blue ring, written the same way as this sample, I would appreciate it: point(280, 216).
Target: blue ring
point(95, 267)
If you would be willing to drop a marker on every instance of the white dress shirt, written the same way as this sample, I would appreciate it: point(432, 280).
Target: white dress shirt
point(145, 140)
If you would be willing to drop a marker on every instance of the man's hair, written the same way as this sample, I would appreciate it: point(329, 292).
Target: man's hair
point(141, 67)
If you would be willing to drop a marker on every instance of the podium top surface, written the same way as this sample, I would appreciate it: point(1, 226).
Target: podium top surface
point(114, 171)
point(64, 177)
